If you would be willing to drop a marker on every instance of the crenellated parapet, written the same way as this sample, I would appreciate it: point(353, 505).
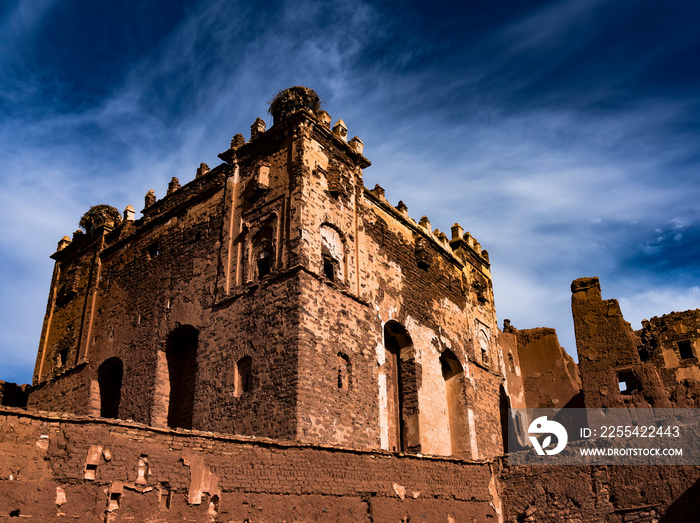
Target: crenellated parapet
point(462, 247)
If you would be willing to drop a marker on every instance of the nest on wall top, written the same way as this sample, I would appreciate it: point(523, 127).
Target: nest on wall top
point(99, 215)
point(292, 100)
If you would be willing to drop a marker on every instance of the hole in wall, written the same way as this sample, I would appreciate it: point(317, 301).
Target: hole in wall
point(329, 269)
point(685, 349)
point(90, 471)
point(114, 500)
point(627, 382)
point(244, 376)
point(152, 250)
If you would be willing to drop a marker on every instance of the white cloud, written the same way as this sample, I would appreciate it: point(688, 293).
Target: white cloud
point(657, 302)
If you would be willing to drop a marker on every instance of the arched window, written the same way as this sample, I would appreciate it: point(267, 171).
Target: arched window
point(333, 254)
point(484, 346)
point(453, 373)
point(402, 383)
point(244, 376)
point(109, 378)
point(181, 354)
point(263, 252)
point(344, 371)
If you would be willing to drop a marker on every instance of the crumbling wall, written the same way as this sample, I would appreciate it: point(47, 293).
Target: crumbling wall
point(143, 473)
point(672, 344)
point(610, 494)
point(612, 373)
point(550, 376)
point(68, 392)
point(13, 395)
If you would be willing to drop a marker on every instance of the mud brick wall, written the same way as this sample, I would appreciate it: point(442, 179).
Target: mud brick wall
point(70, 394)
point(663, 338)
point(171, 475)
point(612, 494)
point(13, 395)
point(333, 324)
point(550, 376)
point(261, 324)
point(609, 354)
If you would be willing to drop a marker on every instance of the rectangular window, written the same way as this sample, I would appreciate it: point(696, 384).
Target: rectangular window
point(329, 268)
point(627, 382)
point(686, 349)
point(63, 357)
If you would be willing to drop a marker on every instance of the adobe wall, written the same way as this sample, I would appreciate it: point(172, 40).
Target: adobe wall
point(610, 494)
point(13, 395)
point(609, 353)
point(672, 343)
point(165, 475)
point(333, 323)
point(550, 376)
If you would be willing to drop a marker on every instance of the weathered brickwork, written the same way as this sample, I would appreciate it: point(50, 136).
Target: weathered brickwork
point(164, 475)
point(549, 375)
point(654, 367)
point(13, 395)
point(613, 494)
point(672, 343)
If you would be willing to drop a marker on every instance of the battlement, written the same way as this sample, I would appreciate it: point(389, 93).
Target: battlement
point(462, 248)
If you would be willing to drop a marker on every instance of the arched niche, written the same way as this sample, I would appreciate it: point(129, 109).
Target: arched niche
point(403, 376)
point(181, 356)
point(109, 379)
point(455, 402)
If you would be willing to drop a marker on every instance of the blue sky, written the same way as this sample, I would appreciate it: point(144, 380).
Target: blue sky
point(564, 135)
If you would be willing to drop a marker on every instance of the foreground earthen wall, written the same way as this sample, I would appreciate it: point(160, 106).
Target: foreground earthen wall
point(163, 475)
point(147, 474)
point(610, 494)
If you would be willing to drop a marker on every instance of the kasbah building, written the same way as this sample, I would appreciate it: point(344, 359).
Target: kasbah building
point(272, 341)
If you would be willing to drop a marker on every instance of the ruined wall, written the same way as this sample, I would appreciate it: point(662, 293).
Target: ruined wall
point(612, 494)
point(144, 473)
point(69, 392)
point(550, 376)
point(612, 373)
point(672, 344)
point(53, 467)
point(13, 395)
